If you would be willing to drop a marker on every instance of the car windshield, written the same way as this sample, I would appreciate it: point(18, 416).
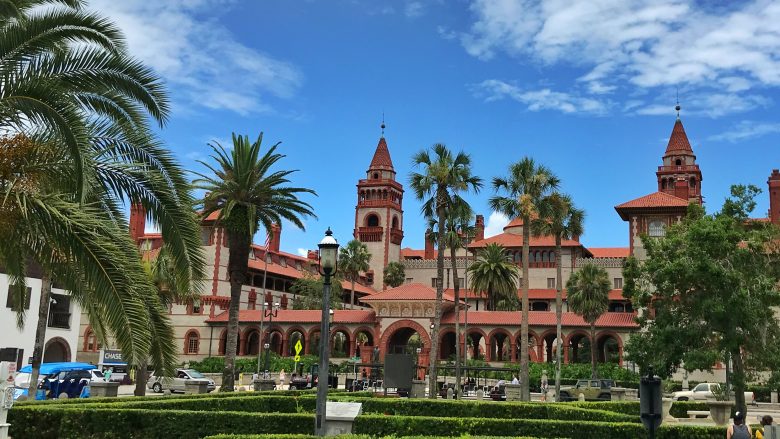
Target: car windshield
point(97, 373)
point(194, 373)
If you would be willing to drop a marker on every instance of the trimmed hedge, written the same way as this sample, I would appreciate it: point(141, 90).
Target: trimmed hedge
point(344, 436)
point(680, 408)
point(115, 423)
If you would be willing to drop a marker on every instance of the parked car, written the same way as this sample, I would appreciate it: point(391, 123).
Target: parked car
point(593, 389)
point(58, 378)
point(704, 391)
point(176, 384)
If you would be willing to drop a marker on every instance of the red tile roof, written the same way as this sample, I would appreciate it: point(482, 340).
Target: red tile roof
point(533, 294)
point(301, 316)
point(381, 158)
point(288, 271)
point(410, 253)
point(610, 252)
point(412, 291)
point(542, 318)
point(654, 200)
point(513, 240)
point(678, 141)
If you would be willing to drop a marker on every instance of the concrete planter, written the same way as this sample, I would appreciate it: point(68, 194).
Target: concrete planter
point(103, 389)
point(196, 386)
point(263, 384)
point(720, 411)
point(513, 392)
point(418, 389)
point(618, 394)
point(666, 406)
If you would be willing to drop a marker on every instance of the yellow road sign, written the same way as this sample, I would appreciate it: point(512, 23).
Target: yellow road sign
point(298, 348)
point(297, 358)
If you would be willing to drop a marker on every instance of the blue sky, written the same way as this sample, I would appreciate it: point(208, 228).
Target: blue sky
point(585, 87)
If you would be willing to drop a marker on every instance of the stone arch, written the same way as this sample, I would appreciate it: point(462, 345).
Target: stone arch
point(340, 342)
point(275, 337)
point(294, 334)
point(250, 341)
point(477, 340)
point(533, 346)
point(446, 343)
point(222, 342)
point(547, 339)
point(401, 325)
point(579, 350)
point(91, 343)
point(606, 351)
point(500, 343)
point(371, 220)
point(56, 349)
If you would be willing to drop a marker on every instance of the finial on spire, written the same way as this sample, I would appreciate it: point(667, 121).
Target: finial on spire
point(383, 124)
point(677, 107)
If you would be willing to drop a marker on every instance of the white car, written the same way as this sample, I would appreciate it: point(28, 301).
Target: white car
point(704, 391)
point(176, 384)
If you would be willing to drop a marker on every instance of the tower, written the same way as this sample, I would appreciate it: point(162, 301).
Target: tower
point(680, 175)
point(378, 213)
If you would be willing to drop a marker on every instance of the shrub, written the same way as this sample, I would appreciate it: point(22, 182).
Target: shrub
point(680, 408)
point(624, 407)
point(249, 365)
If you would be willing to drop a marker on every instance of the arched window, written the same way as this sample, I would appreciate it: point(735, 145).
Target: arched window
point(90, 341)
point(372, 221)
point(656, 228)
point(376, 175)
point(693, 182)
point(395, 222)
point(663, 183)
point(678, 162)
point(191, 342)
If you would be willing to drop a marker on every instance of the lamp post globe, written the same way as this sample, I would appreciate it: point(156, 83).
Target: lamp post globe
point(329, 255)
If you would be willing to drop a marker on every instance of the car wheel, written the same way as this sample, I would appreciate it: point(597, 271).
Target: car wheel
point(682, 398)
point(157, 388)
point(565, 397)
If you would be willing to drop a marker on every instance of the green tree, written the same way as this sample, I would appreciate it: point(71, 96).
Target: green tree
point(588, 295)
point(525, 190)
point(443, 177)
point(245, 192)
point(76, 142)
point(559, 218)
point(308, 293)
point(493, 273)
point(709, 290)
point(394, 274)
point(354, 258)
point(457, 229)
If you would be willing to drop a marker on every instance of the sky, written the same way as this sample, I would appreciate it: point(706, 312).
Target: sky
point(587, 88)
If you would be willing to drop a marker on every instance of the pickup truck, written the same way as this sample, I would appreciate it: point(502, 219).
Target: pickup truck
point(704, 391)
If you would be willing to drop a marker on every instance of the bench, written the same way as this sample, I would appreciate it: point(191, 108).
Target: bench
point(693, 414)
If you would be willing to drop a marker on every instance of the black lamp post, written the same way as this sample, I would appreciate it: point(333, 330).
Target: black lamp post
point(271, 311)
point(329, 253)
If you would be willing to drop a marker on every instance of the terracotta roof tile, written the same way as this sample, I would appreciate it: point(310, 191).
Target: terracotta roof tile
point(410, 253)
point(656, 199)
point(301, 316)
point(512, 240)
point(381, 158)
point(610, 252)
point(542, 318)
point(412, 291)
point(533, 294)
point(678, 141)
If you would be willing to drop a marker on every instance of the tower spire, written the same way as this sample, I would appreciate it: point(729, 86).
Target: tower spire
point(677, 107)
point(383, 124)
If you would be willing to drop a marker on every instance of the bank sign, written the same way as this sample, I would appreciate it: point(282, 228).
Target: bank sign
point(110, 357)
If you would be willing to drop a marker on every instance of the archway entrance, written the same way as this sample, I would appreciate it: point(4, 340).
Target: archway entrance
point(57, 350)
point(447, 346)
point(404, 341)
point(608, 349)
point(579, 349)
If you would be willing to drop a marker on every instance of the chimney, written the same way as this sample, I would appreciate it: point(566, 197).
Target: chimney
point(774, 196)
point(480, 228)
point(137, 221)
point(274, 238)
point(681, 189)
point(428, 245)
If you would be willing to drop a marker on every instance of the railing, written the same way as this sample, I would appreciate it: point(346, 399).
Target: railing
point(601, 262)
point(59, 320)
point(396, 236)
point(370, 234)
point(679, 168)
point(431, 263)
point(379, 203)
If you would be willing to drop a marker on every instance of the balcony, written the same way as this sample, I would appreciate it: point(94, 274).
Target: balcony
point(59, 320)
point(370, 234)
point(681, 168)
point(386, 202)
point(396, 236)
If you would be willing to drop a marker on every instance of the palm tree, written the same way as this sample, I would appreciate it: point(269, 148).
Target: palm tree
point(525, 189)
point(493, 273)
point(443, 176)
point(559, 218)
point(354, 258)
point(588, 295)
point(74, 110)
point(457, 227)
point(246, 193)
point(394, 274)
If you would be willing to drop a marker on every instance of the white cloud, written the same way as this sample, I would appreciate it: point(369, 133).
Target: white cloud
point(496, 223)
point(712, 105)
point(745, 130)
point(199, 57)
point(446, 33)
point(302, 252)
point(637, 44)
point(414, 9)
point(537, 100)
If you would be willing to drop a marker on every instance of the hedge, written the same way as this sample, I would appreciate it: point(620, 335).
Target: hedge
point(344, 436)
point(679, 408)
point(115, 423)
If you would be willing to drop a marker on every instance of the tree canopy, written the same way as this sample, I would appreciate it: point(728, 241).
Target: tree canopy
point(308, 292)
point(394, 274)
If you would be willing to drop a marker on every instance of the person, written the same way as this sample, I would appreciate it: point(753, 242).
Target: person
point(501, 382)
point(515, 380)
point(292, 378)
point(766, 420)
point(738, 430)
point(282, 377)
point(107, 374)
point(544, 385)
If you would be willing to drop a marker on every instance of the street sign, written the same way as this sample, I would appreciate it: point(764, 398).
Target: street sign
point(297, 358)
point(298, 348)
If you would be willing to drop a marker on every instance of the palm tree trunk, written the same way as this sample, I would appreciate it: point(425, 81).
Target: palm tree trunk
point(40, 331)
point(558, 316)
point(140, 379)
point(238, 261)
point(433, 372)
point(525, 392)
point(456, 283)
point(594, 370)
point(352, 295)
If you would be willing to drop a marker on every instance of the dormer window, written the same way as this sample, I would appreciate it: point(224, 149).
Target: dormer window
point(678, 162)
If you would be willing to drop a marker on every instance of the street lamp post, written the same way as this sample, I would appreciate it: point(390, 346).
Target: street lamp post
point(329, 252)
point(271, 311)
